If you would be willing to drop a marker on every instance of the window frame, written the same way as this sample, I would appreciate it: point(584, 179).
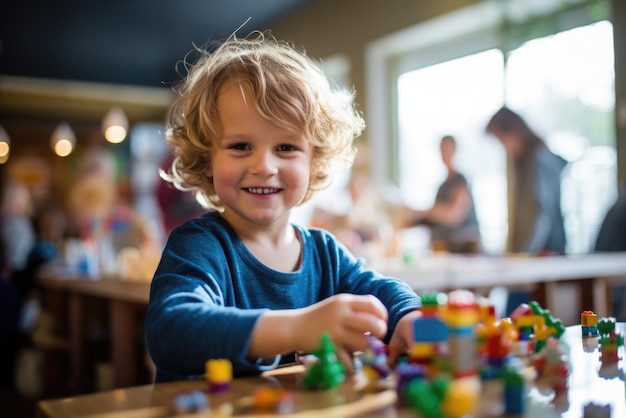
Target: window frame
point(502, 24)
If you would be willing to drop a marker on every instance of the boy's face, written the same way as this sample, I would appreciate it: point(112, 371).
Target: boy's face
point(260, 170)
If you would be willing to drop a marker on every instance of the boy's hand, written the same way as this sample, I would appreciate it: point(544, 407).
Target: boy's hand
point(402, 337)
point(347, 319)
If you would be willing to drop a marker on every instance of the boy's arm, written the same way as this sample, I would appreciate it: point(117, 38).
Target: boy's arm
point(349, 275)
point(346, 318)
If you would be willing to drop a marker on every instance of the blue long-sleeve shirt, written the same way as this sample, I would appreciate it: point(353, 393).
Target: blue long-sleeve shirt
point(209, 290)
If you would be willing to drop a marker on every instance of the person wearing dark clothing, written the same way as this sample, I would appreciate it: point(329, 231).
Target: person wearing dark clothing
point(612, 237)
point(536, 224)
point(612, 233)
point(535, 216)
point(9, 316)
point(463, 237)
point(452, 218)
point(16, 239)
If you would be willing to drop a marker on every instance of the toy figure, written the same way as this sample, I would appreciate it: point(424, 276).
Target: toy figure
point(406, 373)
point(443, 397)
point(513, 388)
point(461, 316)
point(192, 402)
point(541, 321)
point(610, 341)
point(425, 397)
point(589, 324)
point(374, 359)
point(328, 372)
point(495, 341)
point(273, 399)
point(219, 374)
point(552, 368)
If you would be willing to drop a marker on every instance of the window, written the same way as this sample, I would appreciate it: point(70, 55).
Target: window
point(455, 97)
point(559, 78)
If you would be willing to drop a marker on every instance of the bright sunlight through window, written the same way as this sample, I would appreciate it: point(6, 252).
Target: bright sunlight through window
point(456, 97)
point(562, 84)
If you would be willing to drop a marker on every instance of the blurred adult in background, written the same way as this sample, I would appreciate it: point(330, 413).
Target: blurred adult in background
point(612, 237)
point(17, 238)
point(48, 223)
point(18, 233)
point(535, 216)
point(49, 226)
point(109, 225)
point(534, 188)
point(612, 233)
point(9, 314)
point(452, 218)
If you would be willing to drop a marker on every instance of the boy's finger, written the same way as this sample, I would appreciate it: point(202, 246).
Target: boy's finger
point(346, 359)
point(393, 354)
point(370, 304)
point(363, 323)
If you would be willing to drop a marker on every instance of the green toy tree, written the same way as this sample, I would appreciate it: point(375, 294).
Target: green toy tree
point(328, 372)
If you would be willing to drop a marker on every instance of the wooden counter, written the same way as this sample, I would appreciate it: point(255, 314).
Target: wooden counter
point(126, 303)
point(585, 385)
point(111, 288)
point(593, 273)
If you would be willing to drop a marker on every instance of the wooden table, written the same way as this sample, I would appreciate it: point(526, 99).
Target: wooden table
point(593, 273)
point(126, 301)
point(585, 385)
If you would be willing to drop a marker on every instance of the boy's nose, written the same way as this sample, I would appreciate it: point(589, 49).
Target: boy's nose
point(264, 162)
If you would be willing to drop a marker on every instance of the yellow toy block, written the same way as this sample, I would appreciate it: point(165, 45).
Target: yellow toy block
point(219, 370)
point(588, 319)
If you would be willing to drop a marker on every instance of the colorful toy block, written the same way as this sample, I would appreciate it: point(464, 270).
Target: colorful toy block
point(219, 374)
point(589, 324)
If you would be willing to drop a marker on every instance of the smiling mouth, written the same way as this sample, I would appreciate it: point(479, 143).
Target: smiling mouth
point(262, 190)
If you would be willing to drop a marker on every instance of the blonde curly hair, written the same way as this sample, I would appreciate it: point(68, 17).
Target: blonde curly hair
point(289, 89)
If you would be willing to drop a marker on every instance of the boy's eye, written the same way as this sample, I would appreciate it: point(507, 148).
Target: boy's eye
point(286, 147)
point(239, 146)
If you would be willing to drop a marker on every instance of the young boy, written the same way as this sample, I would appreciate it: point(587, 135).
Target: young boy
point(256, 131)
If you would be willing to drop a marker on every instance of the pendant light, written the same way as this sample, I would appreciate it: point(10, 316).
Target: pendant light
point(115, 125)
point(5, 145)
point(63, 140)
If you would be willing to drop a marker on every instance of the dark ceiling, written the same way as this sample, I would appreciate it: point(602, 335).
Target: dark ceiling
point(121, 41)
